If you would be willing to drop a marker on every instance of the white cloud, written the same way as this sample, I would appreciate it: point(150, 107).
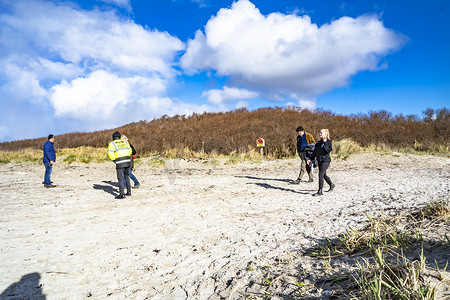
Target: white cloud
point(242, 104)
point(120, 3)
point(92, 39)
point(22, 83)
point(303, 102)
point(104, 100)
point(307, 104)
point(229, 94)
point(287, 53)
point(104, 96)
point(85, 65)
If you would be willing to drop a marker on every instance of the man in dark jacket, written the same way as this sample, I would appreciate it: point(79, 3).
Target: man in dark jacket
point(303, 140)
point(49, 159)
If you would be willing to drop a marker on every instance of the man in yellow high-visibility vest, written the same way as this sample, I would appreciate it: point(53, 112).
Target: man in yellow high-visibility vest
point(119, 151)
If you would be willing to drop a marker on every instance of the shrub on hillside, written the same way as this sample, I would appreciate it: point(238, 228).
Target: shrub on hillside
point(236, 131)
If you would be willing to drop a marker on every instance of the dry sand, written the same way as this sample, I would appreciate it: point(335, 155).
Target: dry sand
point(195, 229)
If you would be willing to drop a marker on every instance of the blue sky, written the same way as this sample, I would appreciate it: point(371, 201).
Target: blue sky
point(77, 66)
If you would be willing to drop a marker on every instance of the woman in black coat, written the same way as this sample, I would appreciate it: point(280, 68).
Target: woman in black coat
point(322, 153)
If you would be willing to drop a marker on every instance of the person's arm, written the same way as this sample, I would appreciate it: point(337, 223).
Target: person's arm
point(52, 155)
point(327, 146)
point(111, 152)
point(133, 151)
point(311, 139)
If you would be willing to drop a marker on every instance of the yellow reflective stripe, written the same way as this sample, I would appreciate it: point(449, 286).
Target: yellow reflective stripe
point(123, 148)
point(121, 144)
point(119, 149)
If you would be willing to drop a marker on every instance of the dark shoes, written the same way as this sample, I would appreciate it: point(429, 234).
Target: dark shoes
point(298, 181)
point(136, 186)
point(128, 194)
point(120, 197)
point(47, 186)
point(331, 187)
point(319, 192)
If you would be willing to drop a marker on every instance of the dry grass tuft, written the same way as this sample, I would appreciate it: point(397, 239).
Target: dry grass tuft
point(26, 155)
point(344, 148)
point(83, 154)
point(436, 210)
point(384, 271)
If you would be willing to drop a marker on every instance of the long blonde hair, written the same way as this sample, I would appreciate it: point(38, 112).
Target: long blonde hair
point(327, 132)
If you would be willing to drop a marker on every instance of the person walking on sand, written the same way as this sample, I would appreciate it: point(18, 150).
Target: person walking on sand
point(49, 159)
point(322, 153)
point(303, 140)
point(133, 152)
point(119, 151)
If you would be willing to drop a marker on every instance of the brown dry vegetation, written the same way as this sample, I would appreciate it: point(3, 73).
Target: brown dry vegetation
point(237, 132)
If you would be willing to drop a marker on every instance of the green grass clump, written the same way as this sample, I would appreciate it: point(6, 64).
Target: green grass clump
point(344, 148)
point(378, 232)
point(26, 155)
point(439, 209)
point(83, 155)
point(392, 278)
point(156, 161)
point(383, 271)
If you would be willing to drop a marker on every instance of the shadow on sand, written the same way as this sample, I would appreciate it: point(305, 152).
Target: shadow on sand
point(110, 187)
point(273, 179)
point(27, 288)
point(269, 186)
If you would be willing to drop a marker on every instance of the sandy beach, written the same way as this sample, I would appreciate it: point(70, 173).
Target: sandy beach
point(196, 229)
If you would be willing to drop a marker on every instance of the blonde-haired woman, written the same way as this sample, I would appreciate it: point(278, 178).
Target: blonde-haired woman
point(322, 152)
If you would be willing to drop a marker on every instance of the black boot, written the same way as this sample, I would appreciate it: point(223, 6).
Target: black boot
point(331, 187)
point(319, 193)
point(128, 193)
point(121, 196)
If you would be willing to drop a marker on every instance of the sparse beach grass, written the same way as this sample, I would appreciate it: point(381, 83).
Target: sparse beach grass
point(384, 253)
point(238, 231)
point(83, 155)
point(389, 258)
point(26, 155)
point(68, 155)
point(343, 149)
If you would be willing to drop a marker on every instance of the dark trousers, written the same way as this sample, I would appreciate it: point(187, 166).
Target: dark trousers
point(323, 166)
point(124, 173)
point(304, 167)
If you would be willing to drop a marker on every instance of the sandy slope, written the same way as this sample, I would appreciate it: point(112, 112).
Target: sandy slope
point(195, 230)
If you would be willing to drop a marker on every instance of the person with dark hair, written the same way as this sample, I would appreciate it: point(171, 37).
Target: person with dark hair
point(119, 151)
point(49, 159)
point(303, 140)
point(322, 153)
